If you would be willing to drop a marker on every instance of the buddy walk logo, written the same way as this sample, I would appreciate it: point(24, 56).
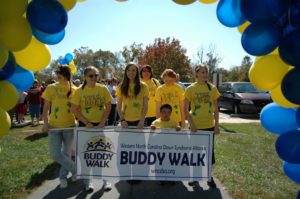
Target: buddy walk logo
point(98, 152)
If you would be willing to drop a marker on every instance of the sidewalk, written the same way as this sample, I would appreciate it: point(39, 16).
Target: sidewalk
point(122, 190)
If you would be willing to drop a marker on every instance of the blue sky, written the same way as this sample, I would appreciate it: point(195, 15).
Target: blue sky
point(110, 25)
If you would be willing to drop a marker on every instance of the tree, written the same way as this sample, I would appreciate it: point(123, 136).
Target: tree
point(210, 57)
point(167, 53)
point(245, 66)
point(132, 53)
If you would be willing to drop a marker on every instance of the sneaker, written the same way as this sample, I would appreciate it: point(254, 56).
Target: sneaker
point(192, 183)
point(107, 186)
point(89, 187)
point(63, 183)
point(212, 183)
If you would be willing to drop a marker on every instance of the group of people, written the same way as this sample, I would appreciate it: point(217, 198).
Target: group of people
point(139, 99)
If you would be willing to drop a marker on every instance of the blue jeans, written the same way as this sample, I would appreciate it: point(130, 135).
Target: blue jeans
point(60, 143)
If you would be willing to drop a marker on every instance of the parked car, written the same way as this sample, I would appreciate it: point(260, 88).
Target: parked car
point(242, 97)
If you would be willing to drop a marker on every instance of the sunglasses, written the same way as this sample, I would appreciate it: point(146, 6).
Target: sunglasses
point(93, 75)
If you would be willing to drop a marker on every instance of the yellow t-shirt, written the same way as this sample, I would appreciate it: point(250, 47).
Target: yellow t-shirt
point(132, 106)
point(201, 100)
point(92, 101)
point(151, 102)
point(60, 116)
point(158, 123)
point(171, 95)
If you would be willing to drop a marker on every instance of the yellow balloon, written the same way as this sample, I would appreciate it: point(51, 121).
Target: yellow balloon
point(36, 56)
point(15, 33)
point(279, 98)
point(81, 0)
point(3, 56)
point(73, 67)
point(242, 27)
point(267, 72)
point(11, 8)
point(8, 95)
point(208, 1)
point(5, 123)
point(184, 2)
point(68, 4)
point(274, 52)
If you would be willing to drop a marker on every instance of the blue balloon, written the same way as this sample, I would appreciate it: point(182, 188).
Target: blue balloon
point(22, 79)
point(69, 57)
point(277, 119)
point(46, 38)
point(263, 11)
point(261, 39)
point(290, 85)
point(293, 172)
point(288, 146)
point(289, 48)
point(63, 61)
point(48, 16)
point(9, 67)
point(298, 117)
point(229, 13)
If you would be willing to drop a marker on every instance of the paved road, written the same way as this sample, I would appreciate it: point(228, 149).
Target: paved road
point(122, 190)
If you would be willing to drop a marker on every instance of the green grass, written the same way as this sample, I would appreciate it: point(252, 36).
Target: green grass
point(24, 162)
point(248, 165)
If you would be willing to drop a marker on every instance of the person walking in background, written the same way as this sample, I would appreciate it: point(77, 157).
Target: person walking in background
point(91, 104)
point(34, 100)
point(58, 97)
point(21, 107)
point(132, 98)
point(113, 116)
point(201, 97)
point(171, 93)
point(152, 83)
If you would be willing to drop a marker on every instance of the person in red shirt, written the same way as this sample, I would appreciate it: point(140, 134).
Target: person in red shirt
point(34, 99)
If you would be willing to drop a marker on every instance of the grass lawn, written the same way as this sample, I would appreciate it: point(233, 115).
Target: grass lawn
point(247, 163)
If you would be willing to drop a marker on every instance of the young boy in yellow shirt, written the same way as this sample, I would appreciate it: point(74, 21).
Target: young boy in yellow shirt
point(165, 120)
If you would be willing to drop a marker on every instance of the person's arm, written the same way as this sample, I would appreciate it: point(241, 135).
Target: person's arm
point(181, 105)
point(144, 112)
point(216, 117)
point(45, 115)
point(119, 110)
point(75, 109)
point(105, 114)
point(188, 116)
point(158, 105)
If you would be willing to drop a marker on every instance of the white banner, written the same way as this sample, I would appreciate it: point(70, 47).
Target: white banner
point(143, 154)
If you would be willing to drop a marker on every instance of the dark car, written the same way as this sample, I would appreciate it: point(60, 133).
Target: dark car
point(242, 97)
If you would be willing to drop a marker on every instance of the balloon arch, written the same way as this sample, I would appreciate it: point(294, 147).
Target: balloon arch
point(270, 30)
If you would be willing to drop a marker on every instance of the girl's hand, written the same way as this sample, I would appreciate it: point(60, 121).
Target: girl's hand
point(141, 124)
point(217, 129)
point(89, 125)
point(45, 128)
point(193, 128)
point(102, 124)
point(153, 127)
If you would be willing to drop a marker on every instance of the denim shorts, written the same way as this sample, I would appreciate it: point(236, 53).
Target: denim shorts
point(34, 110)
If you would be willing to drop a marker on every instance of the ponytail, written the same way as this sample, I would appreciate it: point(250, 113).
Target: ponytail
point(83, 85)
